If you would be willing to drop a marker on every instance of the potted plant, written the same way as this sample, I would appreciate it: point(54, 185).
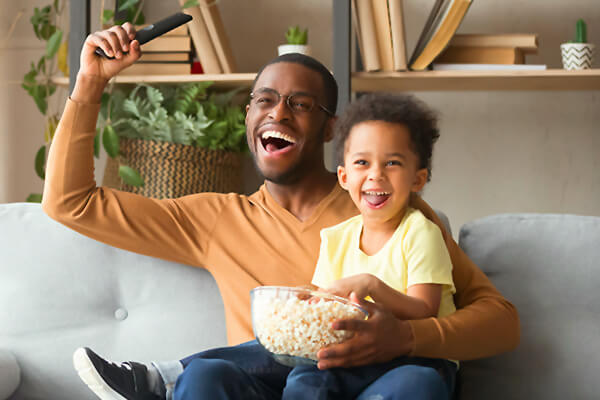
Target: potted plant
point(578, 54)
point(170, 141)
point(296, 41)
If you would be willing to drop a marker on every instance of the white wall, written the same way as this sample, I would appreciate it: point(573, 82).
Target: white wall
point(499, 151)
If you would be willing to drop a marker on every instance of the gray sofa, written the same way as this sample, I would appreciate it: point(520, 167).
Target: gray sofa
point(60, 290)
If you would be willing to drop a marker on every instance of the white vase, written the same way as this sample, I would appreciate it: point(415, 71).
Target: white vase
point(293, 48)
point(577, 55)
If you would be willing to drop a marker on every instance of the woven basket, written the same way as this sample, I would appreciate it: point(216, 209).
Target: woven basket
point(174, 170)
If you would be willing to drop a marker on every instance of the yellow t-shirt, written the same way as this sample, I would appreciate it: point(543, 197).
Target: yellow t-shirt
point(415, 254)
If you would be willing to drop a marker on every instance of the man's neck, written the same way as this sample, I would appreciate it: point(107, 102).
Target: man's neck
point(301, 198)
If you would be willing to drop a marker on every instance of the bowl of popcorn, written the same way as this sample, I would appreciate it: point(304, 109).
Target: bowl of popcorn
point(293, 324)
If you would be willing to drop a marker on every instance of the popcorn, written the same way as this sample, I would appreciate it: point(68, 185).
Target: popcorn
point(297, 327)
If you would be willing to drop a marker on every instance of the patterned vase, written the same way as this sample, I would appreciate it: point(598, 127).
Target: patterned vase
point(577, 55)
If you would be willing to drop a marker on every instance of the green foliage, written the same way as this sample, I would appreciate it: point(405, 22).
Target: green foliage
point(295, 35)
point(185, 114)
point(133, 13)
point(189, 3)
point(34, 198)
point(130, 176)
point(580, 31)
point(37, 81)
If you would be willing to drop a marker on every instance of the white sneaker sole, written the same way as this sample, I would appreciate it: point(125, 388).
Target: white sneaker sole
point(88, 374)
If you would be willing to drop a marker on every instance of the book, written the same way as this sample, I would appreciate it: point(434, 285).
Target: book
point(527, 42)
point(216, 31)
point(168, 43)
point(205, 50)
point(481, 55)
point(162, 56)
point(172, 68)
point(398, 30)
point(488, 67)
point(368, 37)
point(383, 34)
point(443, 27)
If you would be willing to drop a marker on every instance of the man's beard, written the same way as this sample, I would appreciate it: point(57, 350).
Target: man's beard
point(288, 177)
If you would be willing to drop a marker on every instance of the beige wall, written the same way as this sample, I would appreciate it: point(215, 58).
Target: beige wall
point(499, 152)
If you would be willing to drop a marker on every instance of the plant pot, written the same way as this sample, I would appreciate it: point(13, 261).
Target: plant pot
point(173, 170)
point(577, 55)
point(294, 48)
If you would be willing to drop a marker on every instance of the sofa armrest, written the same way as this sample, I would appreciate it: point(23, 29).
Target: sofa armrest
point(10, 374)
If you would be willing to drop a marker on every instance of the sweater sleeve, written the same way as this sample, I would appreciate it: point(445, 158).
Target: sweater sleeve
point(158, 228)
point(485, 323)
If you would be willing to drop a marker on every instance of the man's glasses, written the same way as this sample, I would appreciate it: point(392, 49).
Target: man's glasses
point(266, 99)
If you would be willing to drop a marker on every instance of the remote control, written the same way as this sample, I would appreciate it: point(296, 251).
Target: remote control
point(154, 30)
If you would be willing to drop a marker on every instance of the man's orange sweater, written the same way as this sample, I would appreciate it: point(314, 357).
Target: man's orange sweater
point(247, 241)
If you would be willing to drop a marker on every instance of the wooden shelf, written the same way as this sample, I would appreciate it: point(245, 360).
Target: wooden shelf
point(551, 79)
point(220, 80)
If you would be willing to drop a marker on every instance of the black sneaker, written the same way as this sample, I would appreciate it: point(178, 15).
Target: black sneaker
point(110, 381)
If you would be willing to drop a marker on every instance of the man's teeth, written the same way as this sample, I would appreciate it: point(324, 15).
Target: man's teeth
point(278, 135)
point(370, 193)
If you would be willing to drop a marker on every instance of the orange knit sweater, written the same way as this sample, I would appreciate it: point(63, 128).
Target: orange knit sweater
point(247, 241)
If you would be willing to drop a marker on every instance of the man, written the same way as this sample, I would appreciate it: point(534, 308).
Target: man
point(290, 116)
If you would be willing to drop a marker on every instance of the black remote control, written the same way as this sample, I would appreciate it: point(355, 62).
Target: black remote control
point(154, 30)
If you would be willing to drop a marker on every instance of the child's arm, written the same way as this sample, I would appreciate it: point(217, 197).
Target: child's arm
point(421, 300)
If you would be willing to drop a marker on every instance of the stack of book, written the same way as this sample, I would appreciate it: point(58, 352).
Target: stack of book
point(169, 54)
point(488, 51)
point(379, 25)
point(209, 38)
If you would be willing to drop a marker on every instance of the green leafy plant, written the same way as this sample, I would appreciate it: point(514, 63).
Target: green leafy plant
point(186, 114)
point(580, 31)
point(132, 10)
point(37, 81)
point(295, 35)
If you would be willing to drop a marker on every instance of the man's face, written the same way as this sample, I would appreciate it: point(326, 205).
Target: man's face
point(287, 143)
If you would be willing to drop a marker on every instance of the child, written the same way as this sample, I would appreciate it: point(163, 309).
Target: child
point(389, 253)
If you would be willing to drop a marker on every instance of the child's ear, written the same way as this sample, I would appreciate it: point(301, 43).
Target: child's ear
point(420, 180)
point(342, 177)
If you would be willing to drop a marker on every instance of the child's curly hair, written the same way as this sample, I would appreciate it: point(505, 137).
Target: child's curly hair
point(420, 120)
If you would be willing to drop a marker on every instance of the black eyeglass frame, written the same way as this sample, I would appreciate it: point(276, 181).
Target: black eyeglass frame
point(287, 101)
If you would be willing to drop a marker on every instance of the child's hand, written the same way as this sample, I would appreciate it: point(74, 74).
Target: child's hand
point(362, 285)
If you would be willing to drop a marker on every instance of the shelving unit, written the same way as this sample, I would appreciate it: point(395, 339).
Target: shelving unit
point(220, 80)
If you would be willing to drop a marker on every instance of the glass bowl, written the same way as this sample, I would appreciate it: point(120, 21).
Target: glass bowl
point(294, 323)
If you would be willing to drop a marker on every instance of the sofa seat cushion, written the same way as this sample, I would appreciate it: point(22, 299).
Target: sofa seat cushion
point(547, 266)
point(10, 374)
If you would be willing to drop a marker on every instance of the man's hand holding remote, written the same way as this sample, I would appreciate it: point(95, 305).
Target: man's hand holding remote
point(94, 70)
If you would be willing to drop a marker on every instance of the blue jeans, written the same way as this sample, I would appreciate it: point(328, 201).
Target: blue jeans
point(247, 371)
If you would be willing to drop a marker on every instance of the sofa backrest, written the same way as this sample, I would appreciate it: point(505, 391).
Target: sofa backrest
point(60, 290)
point(548, 266)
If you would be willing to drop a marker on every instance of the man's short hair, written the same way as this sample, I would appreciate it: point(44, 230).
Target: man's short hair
point(329, 84)
point(418, 118)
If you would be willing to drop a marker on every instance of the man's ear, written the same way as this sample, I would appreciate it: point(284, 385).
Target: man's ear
point(420, 180)
point(246, 118)
point(342, 177)
point(329, 129)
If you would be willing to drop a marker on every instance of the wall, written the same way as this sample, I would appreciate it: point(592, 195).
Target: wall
point(499, 151)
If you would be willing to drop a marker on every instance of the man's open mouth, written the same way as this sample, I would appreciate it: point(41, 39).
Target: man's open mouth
point(273, 141)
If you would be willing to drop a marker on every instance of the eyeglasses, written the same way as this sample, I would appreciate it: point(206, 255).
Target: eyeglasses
point(266, 99)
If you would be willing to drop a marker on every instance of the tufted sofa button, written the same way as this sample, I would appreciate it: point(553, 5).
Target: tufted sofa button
point(121, 314)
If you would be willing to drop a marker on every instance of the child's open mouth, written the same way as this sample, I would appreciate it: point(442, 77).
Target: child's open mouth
point(376, 199)
point(274, 141)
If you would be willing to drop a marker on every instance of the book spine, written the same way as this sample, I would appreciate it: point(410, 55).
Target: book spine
point(218, 35)
point(202, 43)
point(383, 34)
point(525, 42)
point(481, 55)
point(366, 19)
point(398, 34)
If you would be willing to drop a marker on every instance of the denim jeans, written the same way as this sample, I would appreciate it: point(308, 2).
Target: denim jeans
point(247, 371)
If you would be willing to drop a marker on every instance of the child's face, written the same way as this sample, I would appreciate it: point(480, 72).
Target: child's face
point(380, 169)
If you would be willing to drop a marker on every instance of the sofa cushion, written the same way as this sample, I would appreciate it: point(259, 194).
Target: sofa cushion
point(547, 266)
point(60, 290)
point(10, 374)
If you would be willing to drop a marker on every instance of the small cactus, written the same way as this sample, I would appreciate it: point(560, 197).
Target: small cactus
point(295, 35)
point(580, 31)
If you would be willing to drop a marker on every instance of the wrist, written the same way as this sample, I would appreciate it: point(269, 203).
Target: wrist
point(407, 344)
point(88, 89)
